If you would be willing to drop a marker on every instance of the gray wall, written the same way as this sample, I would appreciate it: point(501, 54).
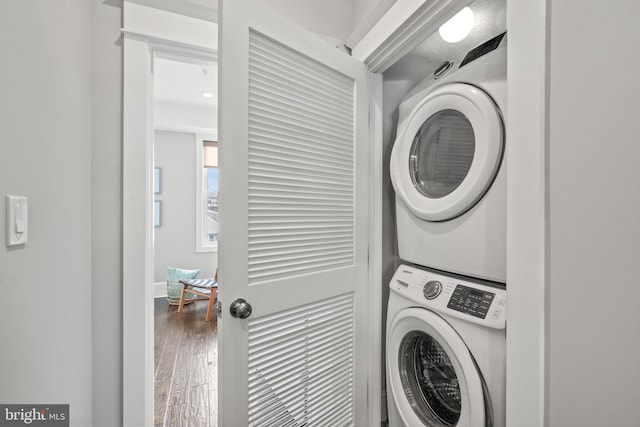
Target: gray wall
point(45, 152)
point(594, 214)
point(175, 239)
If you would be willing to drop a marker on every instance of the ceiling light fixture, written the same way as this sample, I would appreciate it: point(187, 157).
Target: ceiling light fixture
point(458, 27)
point(207, 94)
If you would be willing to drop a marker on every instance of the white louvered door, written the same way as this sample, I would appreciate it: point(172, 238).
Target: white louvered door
point(293, 206)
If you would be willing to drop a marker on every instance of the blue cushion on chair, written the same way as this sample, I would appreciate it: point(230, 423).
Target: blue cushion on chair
point(174, 288)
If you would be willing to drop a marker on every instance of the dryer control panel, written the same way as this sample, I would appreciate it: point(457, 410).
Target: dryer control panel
point(475, 302)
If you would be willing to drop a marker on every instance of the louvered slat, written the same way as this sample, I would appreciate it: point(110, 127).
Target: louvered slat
point(301, 365)
point(301, 163)
point(264, 130)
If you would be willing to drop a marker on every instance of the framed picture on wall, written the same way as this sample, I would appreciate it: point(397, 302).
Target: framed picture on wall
point(157, 213)
point(157, 183)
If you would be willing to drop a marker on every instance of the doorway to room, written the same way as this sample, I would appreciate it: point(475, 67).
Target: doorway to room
point(184, 36)
point(185, 230)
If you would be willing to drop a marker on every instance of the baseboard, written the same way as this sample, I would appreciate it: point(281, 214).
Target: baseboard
point(160, 290)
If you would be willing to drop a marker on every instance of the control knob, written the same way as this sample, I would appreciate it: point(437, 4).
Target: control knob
point(432, 289)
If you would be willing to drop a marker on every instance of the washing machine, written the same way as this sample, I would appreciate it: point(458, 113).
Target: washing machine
point(447, 166)
point(445, 353)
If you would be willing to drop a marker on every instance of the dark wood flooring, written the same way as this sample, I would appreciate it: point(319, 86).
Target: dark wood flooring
point(186, 366)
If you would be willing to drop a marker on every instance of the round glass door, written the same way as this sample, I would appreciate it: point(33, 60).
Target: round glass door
point(429, 378)
point(441, 153)
point(447, 152)
point(433, 378)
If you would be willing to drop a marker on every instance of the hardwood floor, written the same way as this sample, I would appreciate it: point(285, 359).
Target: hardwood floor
point(186, 366)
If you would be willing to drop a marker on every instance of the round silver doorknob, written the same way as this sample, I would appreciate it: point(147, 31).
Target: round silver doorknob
point(240, 308)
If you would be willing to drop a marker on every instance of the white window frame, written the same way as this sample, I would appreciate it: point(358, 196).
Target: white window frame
point(201, 181)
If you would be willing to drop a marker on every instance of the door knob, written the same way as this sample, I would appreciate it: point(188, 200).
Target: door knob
point(240, 308)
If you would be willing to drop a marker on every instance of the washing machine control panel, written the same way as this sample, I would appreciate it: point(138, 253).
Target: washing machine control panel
point(473, 302)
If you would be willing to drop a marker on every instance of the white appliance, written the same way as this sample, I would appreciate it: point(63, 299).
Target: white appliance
point(445, 354)
point(445, 166)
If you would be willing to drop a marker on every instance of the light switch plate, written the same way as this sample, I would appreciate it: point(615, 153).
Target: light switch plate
point(17, 220)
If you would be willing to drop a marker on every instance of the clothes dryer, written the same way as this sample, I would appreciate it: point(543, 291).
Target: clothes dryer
point(446, 166)
point(445, 355)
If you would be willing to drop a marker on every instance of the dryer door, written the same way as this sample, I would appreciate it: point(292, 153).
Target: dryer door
point(448, 152)
point(433, 378)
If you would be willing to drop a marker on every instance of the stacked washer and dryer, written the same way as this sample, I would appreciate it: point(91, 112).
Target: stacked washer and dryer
point(447, 308)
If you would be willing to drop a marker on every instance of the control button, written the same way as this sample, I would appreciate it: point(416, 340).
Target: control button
point(501, 301)
point(496, 313)
point(442, 69)
point(401, 283)
point(432, 289)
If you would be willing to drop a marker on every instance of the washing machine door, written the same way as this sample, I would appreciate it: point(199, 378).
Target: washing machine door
point(433, 378)
point(448, 152)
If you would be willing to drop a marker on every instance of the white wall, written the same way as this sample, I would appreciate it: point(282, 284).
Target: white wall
point(360, 9)
point(175, 239)
point(45, 147)
point(106, 183)
point(168, 115)
point(594, 213)
point(331, 18)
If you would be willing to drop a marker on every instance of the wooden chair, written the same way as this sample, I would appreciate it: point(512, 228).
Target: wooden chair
point(204, 289)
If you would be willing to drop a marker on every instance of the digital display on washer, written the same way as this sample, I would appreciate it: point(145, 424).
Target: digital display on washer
point(471, 301)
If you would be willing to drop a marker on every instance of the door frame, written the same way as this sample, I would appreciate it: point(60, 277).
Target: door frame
point(140, 50)
point(399, 31)
point(379, 49)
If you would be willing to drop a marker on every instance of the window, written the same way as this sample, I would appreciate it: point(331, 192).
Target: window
point(207, 207)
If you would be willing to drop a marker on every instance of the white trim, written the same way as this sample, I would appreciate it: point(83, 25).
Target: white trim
point(172, 127)
point(170, 49)
point(527, 213)
point(160, 290)
point(405, 25)
point(137, 239)
point(376, 404)
point(368, 22)
point(184, 7)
